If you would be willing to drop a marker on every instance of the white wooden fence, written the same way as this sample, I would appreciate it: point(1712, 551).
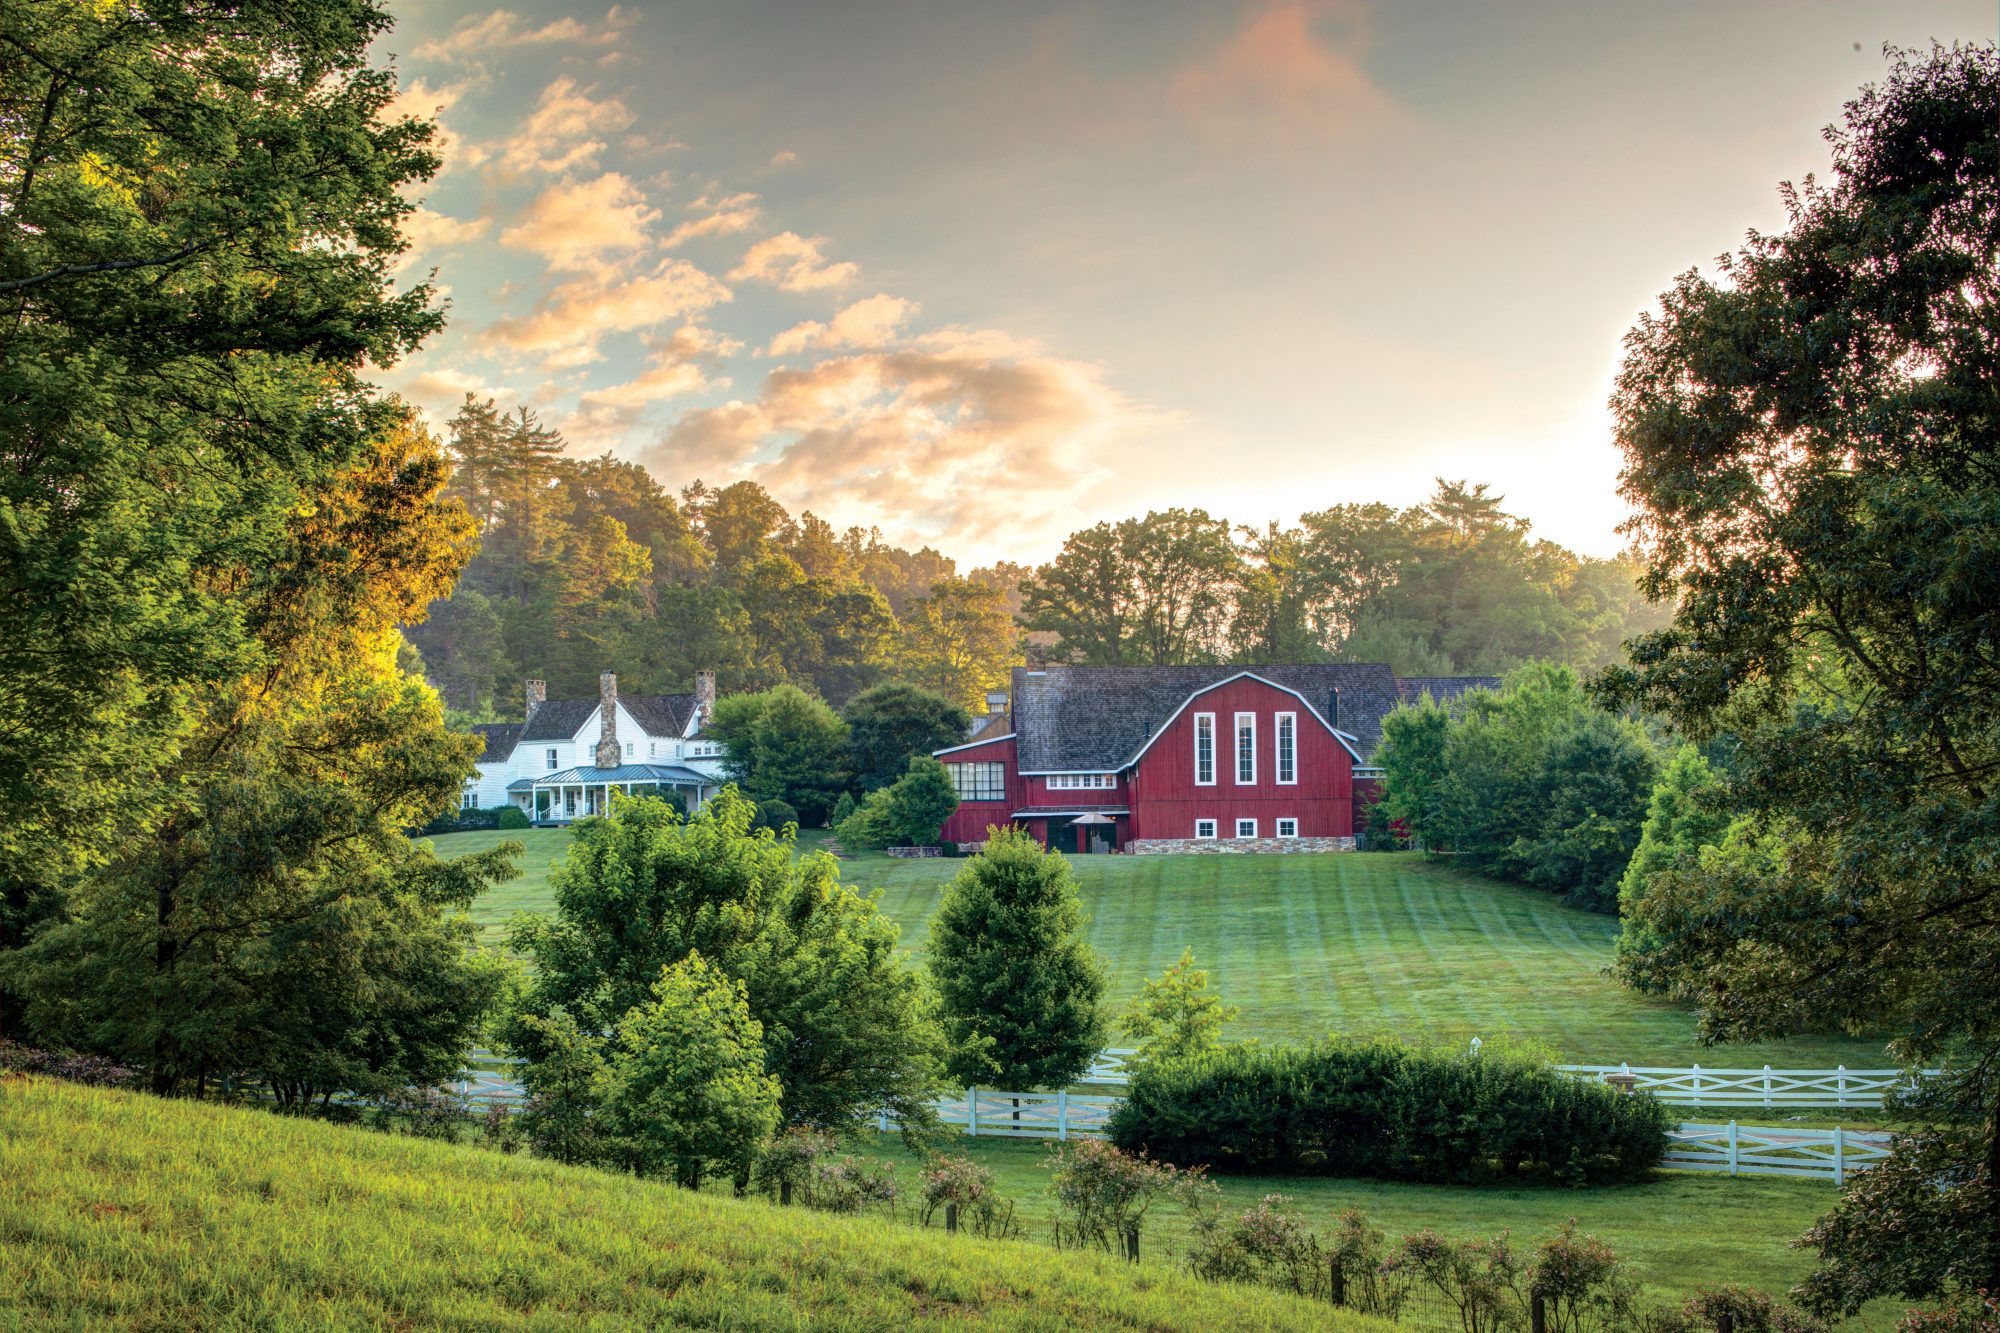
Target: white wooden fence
point(1738, 1150)
point(1756, 1150)
point(1840, 1088)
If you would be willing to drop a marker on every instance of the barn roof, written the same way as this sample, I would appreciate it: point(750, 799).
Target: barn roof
point(1096, 719)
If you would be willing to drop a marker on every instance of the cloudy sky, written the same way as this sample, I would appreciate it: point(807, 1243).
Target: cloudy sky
point(981, 273)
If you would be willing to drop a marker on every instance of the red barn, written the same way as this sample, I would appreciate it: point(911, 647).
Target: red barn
point(1181, 759)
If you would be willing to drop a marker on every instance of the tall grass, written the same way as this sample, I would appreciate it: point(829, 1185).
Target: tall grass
point(121, 1210)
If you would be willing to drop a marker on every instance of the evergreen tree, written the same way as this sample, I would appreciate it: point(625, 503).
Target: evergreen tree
point(1020, 991)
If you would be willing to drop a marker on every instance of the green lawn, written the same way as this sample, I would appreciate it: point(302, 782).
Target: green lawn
point(1359, 942)
point(119, 1210)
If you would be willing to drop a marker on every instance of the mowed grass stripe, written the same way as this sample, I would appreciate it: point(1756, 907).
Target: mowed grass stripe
point(1362, 942)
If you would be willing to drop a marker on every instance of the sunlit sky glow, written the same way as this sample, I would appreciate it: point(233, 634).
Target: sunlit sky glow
point(983, 273)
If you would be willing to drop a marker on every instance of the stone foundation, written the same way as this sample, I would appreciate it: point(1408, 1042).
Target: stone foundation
point(1219, 846)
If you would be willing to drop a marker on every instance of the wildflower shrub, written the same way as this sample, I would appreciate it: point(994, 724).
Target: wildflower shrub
point(1101, 1195)
point(805, 1166)
point(1383, 1110)
point(960, 1187)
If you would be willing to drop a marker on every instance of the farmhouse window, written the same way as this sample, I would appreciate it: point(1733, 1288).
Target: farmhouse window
point(1082, 781)
point(469, 800)
point(1246, 749)
point(628, 749)
point(1204, 828)
point(552, 758)
point(979, 782)
point(1288, 746)
point(1246, 828)
point(1204, 749)
point(1288, 828)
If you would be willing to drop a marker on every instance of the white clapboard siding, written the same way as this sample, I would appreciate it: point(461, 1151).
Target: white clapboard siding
point(1693, 1085)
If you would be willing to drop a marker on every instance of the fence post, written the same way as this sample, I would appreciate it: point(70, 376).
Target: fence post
point(1767, 1087)
point(950, 1218)
point(1732, 1147)
point(1132, 1243)
point(1839, 1152)
point(972, 1111)
point(1062, 1115)
point(1697, 1085)
point(1337, 1284)
point(882, 1121)
point(1840, 1086)
point(1538, 1314)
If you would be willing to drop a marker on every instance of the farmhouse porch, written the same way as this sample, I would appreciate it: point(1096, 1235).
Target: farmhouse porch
point(575, 793)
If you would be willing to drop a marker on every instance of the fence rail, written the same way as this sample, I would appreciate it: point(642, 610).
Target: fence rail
point(1757, 1150)
point(1839, 1088)
point(1736, 1149)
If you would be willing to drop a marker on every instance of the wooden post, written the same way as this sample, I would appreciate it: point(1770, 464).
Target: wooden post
point(1337, 1282)
point(1839, 1154)
point(1732, 1147)
point(972, 1111)
point(1725, 1322)
point(1538, 1314)
point(784, 1191)
point(951, 1218)
point(1840, 1086)
point(1767, 1087)
point(1697, 1085)
point(1132, 1243)
point(1062, 1115)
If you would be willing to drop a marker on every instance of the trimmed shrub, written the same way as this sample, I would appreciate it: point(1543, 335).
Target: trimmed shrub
point(774, 815)
point(1393, 1112)
point(460, 821)
point(513, 817)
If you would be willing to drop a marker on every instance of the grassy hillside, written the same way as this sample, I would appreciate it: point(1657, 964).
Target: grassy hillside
point(1359, 943)
point(119, 1210)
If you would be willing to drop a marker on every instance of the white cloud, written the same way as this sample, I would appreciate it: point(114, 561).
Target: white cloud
point(719, 217)
point(566, 129)
point(681, 364)
point(504, 28)
point(567, 324)
point(575, 224)
point(927, 440)
point(432, 234)
point(786, 158)
point(873, 321)
point(794, 263)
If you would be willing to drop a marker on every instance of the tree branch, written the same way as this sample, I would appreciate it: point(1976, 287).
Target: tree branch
point(107, 266)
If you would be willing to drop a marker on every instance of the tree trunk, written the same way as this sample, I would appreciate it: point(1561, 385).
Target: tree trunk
point(1993, 1199)
point(165, 950)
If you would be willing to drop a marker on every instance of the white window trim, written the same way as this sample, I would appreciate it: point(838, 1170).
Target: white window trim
point(1239, 828)
point(629, 746)
point(552, 764)
point(1236, 734)
point(1082, 781)
point(1214, 757)
point(1204, 837)
point(1280, 826)
point(1285, 752)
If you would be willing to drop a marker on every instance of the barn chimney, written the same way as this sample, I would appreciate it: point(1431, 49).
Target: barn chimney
point(704, 695)
point(996, 703)
point(538, 694)
point(609, 755)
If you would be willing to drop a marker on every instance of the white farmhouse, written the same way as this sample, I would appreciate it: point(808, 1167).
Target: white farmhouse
point(565, 758)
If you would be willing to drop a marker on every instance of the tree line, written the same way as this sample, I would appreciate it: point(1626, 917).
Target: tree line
point(584, 563)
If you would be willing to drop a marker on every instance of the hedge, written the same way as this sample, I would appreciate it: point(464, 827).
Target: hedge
point(1389, 1111)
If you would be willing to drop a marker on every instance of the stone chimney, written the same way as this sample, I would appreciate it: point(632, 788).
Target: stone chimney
point(609, 753)
point(996, 703)
point(704, 695)
point(538, 694)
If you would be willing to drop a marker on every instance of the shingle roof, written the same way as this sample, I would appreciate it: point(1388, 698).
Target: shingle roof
point(1094, 719)
point(1443, 688)
point(560, 719)
point(500, 739)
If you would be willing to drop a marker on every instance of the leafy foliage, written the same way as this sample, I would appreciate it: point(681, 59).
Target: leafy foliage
point(784, 745)
point(1809, 442)
point(1682, 818)
point(906, 815)
point(1352, 1108)
point(685, 1087)
point(847, 1027)
point(1532, 783)
point(1020, 992)
point(1102, 1194)
point(891, 724)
